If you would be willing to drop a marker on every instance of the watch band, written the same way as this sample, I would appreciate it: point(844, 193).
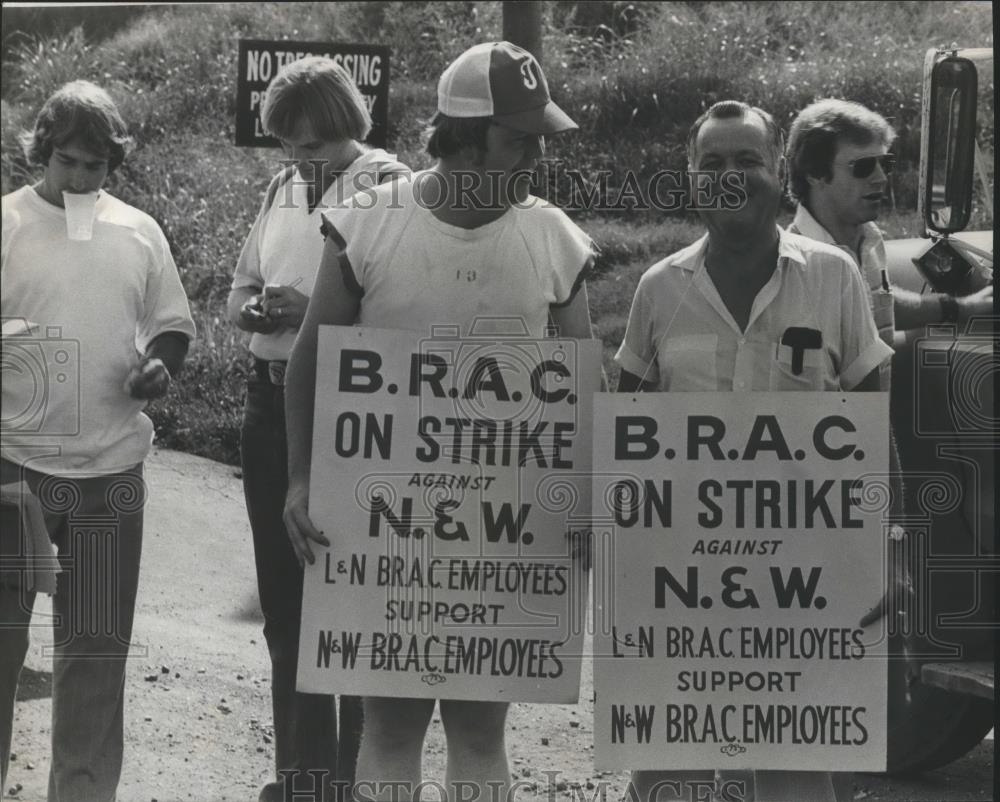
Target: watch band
point(949, 309)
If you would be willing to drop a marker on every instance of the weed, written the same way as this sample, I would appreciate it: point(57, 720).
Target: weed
point(634, 76)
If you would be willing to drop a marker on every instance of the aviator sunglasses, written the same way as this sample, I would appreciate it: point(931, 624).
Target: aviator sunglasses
point(865, 166)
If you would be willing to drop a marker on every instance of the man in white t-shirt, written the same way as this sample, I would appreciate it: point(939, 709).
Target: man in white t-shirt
point(95, 324)
point(748, 307)
point(462, 245)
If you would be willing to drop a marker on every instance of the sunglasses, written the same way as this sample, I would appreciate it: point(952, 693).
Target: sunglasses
point(865, 166)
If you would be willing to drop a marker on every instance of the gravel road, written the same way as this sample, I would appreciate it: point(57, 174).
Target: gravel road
point(198, 710)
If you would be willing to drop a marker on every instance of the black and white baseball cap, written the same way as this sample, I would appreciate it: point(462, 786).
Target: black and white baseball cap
point(505, 82)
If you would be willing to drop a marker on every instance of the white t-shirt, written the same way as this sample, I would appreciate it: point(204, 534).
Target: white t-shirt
point(285, 245)
point(681, 336)
point(93, 308)
point(415, 272)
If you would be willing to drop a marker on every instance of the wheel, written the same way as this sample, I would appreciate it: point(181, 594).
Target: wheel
point(930, 727)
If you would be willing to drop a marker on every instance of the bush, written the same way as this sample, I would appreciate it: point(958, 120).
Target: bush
point(636, 96)
point(634, 76)
point(202, 412)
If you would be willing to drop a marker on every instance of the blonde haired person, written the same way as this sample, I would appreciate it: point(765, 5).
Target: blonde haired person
point(314, 108)
point(838, 168)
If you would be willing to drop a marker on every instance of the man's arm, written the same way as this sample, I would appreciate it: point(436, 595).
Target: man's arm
point(915, 311)
point(637, 348)
point(331, 303)
point(869, 384)
point(248, 281)
point(234, 304)
point(240, 313)
point(171, 347)
point(630, 383)
point(164, 359)
point(573, 319)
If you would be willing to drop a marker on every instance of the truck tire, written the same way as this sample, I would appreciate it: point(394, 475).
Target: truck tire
point(930, 727)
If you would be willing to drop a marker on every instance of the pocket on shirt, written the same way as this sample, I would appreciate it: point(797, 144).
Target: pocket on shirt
point(816, 370)
point(689, 362)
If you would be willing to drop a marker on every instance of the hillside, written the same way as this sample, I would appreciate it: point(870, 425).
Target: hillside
point(634, 77)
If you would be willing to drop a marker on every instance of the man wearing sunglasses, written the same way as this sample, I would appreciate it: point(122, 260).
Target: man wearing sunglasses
point(839, 167)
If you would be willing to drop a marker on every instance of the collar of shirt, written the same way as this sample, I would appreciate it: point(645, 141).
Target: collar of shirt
point(808, 226)
point(692, 258)
point(871, 251)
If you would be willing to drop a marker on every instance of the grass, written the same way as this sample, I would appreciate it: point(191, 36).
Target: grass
point(202, 413)
point(633, 76)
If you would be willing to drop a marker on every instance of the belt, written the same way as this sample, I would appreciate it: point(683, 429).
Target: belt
point(272, 372)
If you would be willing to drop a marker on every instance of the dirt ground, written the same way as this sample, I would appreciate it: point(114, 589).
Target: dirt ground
point(198, 705)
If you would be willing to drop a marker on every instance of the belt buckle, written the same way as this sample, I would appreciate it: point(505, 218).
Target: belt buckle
point(276, 373)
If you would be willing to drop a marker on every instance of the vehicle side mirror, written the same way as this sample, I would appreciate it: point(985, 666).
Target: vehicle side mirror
point(950, 129)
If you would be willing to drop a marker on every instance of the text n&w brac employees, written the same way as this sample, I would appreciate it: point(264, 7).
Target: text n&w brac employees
point(763, 643)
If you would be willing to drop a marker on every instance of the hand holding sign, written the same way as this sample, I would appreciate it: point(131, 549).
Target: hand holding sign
point(447, 471)
point(299, 525)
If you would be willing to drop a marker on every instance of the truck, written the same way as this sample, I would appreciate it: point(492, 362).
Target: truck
point(942, 638)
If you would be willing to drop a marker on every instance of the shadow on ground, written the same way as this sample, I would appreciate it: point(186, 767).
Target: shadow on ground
point(249, 610)
point(34, 685)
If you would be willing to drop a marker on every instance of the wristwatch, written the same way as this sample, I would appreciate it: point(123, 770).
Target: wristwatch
point(949, 309)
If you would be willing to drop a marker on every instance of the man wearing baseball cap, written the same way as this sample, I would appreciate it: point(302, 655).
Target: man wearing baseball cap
point(493, 98)
point(505, 83)
point(461, 245)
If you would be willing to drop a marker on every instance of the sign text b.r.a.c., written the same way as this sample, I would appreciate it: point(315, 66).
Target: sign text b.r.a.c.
point(360, 372)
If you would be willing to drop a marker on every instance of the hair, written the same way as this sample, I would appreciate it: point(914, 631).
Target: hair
point(817, 131)
point(78, 111)
point(729, 109)
point(319, 90)
point(446, 136)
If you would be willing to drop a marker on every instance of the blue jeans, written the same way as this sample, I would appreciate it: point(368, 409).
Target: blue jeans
point(305, 725)
point(96, 524)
